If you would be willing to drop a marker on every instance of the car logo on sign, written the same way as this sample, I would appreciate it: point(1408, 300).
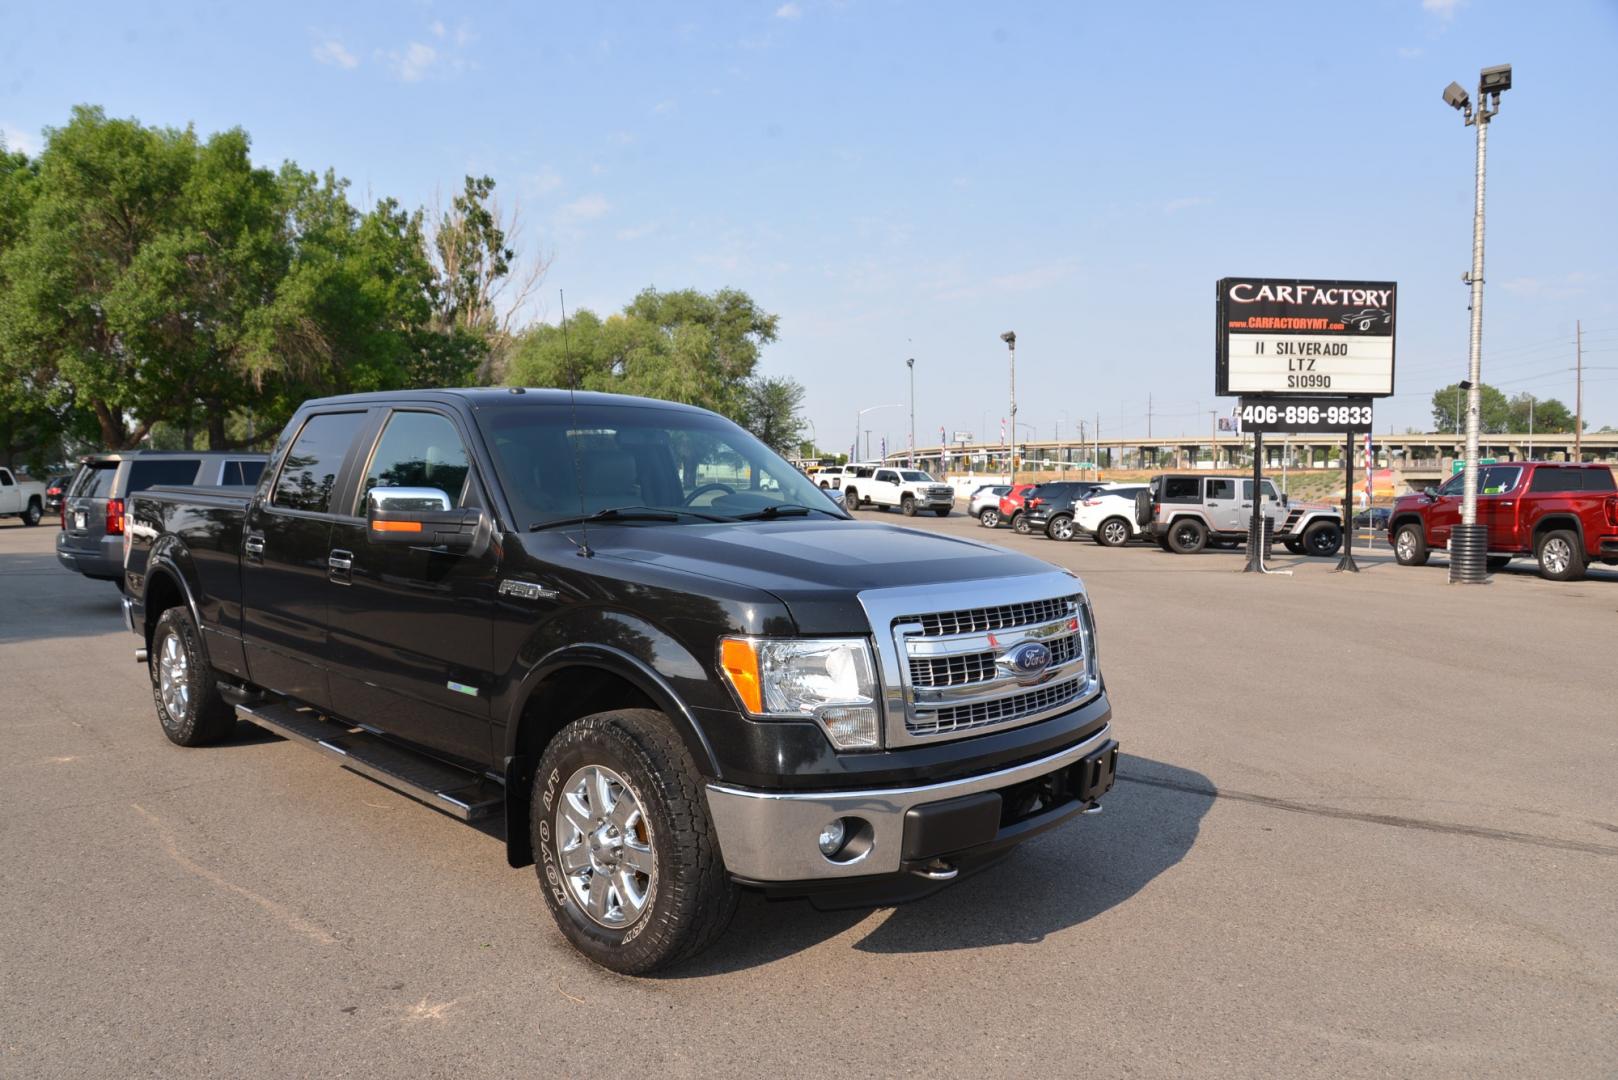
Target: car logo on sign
point(1028, 661)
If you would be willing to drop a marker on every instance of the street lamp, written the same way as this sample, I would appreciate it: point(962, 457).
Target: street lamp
point(1469, 541)
point(859, 424)
point(911, 364)
point(1010, 338)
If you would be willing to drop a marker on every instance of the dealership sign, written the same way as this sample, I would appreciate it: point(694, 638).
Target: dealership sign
point(1310, 338)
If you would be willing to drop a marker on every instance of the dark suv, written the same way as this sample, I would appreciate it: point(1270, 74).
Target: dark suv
point(92, 538)
point(1050, 507)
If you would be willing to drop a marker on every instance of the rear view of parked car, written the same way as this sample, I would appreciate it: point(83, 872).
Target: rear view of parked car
point(986, 499)
point(1009, 509)
point(92, 538)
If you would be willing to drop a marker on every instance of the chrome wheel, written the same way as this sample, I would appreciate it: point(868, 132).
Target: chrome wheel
point(1114, 533)
point(1556, 555)
point(1062, 529)
point(604, 844)
point(1405, 546)
point(989, 519)
point(173, 678)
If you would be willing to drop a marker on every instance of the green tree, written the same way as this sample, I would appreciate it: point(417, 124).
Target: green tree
point(774, 412)
point(1449, 409)
point(1540, 414)
point(687, 346)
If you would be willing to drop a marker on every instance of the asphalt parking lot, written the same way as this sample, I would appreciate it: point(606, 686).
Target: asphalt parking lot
point(1366, 825)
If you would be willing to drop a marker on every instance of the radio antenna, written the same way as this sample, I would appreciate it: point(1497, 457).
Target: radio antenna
point(573, 442)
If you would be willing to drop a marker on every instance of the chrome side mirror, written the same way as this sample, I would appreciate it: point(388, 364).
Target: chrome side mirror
point(425, 517)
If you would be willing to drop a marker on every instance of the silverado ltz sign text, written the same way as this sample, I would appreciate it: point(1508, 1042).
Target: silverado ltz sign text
point(1305, 338)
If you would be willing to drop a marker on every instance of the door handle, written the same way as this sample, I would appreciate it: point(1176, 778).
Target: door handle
point(340, 566)
point(254, 547)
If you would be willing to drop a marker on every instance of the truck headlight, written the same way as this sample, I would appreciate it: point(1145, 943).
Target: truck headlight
point(829, 680)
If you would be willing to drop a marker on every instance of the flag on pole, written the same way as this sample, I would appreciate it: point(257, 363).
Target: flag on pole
point(1002, 431)
point(884, 448)
point(1370, 469)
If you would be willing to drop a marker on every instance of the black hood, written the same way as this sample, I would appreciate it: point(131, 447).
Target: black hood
point(815, 566)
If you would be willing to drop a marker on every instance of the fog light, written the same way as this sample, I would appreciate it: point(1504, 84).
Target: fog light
point(831, 838)
point(850, 727)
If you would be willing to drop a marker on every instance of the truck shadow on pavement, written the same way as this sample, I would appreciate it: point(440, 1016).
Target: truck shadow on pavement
point(1054, 882)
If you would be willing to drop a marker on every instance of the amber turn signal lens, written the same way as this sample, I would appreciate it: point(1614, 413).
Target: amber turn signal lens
point(396, 526)
point(738, 659)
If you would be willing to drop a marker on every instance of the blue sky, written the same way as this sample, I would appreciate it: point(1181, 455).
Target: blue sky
point(911, 179)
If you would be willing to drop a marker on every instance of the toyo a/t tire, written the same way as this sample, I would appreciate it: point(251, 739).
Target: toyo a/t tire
point(624, 848)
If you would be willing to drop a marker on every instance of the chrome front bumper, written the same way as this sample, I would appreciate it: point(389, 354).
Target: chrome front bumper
point(772, 836)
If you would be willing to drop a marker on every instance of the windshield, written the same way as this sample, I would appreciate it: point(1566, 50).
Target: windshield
point(556, 462)
point(915, 476)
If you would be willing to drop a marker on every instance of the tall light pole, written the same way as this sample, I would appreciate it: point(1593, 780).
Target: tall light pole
point(1469, 541)
point(911, 364)
point(859, 424)
point(1010, 338)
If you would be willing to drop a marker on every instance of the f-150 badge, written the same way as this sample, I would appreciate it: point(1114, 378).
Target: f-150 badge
point(526, 590)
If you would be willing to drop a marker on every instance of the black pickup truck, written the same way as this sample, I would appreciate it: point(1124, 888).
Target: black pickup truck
point(654, 647)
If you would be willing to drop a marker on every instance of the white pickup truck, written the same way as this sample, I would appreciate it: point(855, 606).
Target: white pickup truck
point(908, 489)
point(21, 498)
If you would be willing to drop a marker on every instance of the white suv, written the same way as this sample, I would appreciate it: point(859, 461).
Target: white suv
point(908, 489)
point(1109, 515)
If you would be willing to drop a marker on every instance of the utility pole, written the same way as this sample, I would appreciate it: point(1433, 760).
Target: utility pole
point(1578, 392)
point(911, 364)
point(1097, 457)
point(1468, 541)
point(1148, 416)
point(1010, 338)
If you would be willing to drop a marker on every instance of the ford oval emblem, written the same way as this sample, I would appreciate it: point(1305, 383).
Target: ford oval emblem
point(1029, 660)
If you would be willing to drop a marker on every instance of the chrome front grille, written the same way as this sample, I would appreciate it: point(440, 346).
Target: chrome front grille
point(1005, 616)
point(955, 658)
point(929, 671)
point(999, 711)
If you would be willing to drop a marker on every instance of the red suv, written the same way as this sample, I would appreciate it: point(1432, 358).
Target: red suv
point(1564, 515)
point(1011, 508)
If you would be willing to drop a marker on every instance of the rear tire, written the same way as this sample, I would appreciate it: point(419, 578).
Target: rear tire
point(1060, 527)
point(1560, 556)
point(1187, 536)
point(34, 514)
point(663, 893)
point(907, 506)
point(1019, 523)
point(851, 498)
point(1114, 532)
point(1322, 539)
point(188, 703)
point(989, 518)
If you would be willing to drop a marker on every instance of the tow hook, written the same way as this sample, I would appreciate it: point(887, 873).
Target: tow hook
point(937, 870)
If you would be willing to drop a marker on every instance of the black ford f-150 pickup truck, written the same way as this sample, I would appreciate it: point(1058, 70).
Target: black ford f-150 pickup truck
point(663, 655)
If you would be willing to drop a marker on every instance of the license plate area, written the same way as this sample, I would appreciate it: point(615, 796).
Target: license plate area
point(78, 519)
point(1084, 781)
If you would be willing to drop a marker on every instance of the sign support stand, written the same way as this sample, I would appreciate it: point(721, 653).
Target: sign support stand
point(1255, 527)
point(1347, 563)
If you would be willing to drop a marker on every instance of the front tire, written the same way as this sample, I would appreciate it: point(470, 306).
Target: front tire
point(188, 703)
point(907, 506)
point(1060, 527)
point(851, 498)
point(34, 514)
point(1322, 540)
point(627, 857)
point(1560, 556)
point(989, 518)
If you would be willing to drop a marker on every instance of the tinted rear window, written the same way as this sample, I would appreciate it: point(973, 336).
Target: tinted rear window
point(1598, 480)
point(145, 473)
point(312, 465)
point(1555, 480)
point(1182, 489)
point(95, 480)
point(243, 473)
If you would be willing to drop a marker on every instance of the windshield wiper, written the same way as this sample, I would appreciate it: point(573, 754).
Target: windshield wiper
point(625, 513)
point(780, 510)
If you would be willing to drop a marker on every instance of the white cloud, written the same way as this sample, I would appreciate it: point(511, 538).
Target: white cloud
point(331, 51)
point(788, 10)
point(437, 28)
point(414, 63)
point(1186, 202)
point(545, 181)
point(1410, 52)
point(1442, 8)
point(17, 139)
point(664, 107)
point(638, 232)
point(586, 208)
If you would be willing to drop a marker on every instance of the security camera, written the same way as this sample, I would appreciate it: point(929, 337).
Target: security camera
point(1010, 338)
point(1455, 96)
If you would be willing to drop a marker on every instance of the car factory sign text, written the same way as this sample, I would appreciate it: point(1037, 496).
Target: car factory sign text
point(1292, 337)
